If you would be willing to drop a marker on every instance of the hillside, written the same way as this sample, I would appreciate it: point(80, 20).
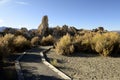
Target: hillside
point(2, 28)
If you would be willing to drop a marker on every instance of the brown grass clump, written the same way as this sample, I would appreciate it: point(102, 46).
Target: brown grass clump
point(9, 38)
point(83, 42)
point(3, 48)
point(54, 62)
point(49, 40)
point(105, 43)
point(65, 46)
point(10, 43)
point(35, 41)
point(6, 45)
point(21, 43)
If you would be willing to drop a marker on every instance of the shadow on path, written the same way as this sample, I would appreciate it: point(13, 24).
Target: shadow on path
point(30, 76)
point(36, 58)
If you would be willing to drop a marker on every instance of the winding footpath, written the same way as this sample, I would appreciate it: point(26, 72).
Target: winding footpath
point(32, 67)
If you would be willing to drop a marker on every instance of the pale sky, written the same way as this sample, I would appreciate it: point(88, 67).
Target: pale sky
point(87, 14)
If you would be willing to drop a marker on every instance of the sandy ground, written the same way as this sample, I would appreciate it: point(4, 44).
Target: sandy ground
point(87, 66)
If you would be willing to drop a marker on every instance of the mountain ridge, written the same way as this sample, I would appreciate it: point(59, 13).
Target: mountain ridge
point(2, 28)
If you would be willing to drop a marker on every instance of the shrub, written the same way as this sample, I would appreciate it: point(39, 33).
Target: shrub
point(104, 43)
point(21, 43)
point(9, 43)
point(65, 46)
point(3, 48)
point(9, 38)
point(6, 45)
point(49, 40)
point(83, 42)
point(54, 62)
point(35, 41)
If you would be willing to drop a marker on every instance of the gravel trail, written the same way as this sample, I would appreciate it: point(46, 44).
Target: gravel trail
point(87, 66)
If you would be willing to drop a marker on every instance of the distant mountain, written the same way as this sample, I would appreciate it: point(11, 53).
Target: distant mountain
point(3, 28)
point(32, 29)
point(117, 31)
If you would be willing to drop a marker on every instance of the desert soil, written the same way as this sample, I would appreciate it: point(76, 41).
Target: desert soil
point(84, 66)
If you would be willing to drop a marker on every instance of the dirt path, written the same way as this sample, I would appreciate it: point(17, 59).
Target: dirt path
point(34, 69)
point(84, 66)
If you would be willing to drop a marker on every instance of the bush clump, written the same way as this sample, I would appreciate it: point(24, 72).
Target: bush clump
point(10, 44)
point(49, 40)
point(3, 48)
point(83, 42)
point(105, 43)
point(6, 45)
point(65, 46)
point(35, 41)
point(9, 38)
point(21, 43)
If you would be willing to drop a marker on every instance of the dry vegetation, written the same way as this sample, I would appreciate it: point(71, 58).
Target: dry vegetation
point(49, 40)
point(105, 44)
point(10, 44)
point(21, 43)
point(35, 41)
point(6, 45)
point(64, 46)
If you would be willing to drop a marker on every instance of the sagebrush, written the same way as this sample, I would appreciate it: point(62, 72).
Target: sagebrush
point(65, 46)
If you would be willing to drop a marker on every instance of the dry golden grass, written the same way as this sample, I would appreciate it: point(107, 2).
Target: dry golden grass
point(64, 46)
point(6, 45)
point(54, 62)
point(49, 40)
point(21, 43)
point(35, 41)
point(105, 43)
point(83, 42)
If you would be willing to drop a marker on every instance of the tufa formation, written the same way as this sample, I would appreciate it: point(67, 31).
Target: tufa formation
point(43, 27)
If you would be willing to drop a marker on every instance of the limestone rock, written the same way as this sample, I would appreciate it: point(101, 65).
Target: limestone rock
point(43, 27)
